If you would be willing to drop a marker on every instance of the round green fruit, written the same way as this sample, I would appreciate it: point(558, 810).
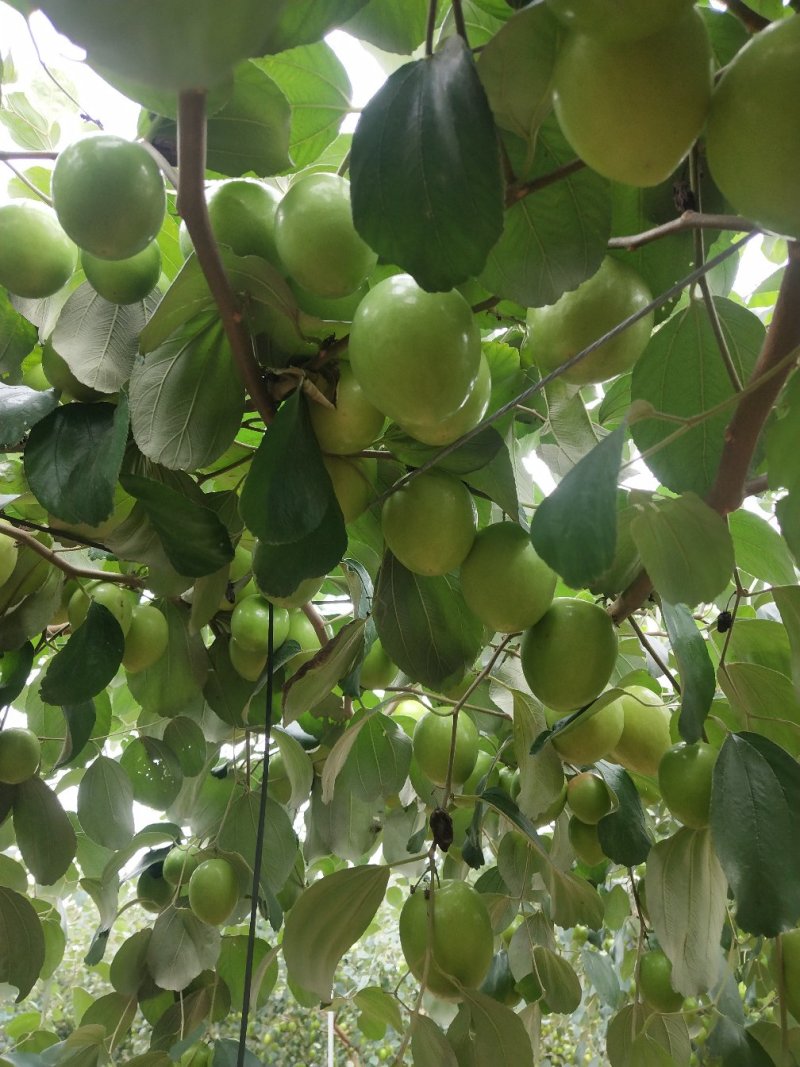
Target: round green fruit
point(616, 21)
point(241, 564)
point(353, 483)
point(180, 863)
point(377, 670)
point(588, 797)
point(242, 214)
point(147, 638)
point(484, 765)
point(302, 631)
point(568, 656)
point(585, 842)
point(416, 354)
point(353, 424)
point(685, 773)
point(109, 195)
point(124, 281)
point(329, 309)
point(119, 601)
point(213, 891)
point(248, 665)
point(429, 524)
point(751, 140)
point(20, 753)
point(645, 732)
point(250, 625)
point(503, 580)
point(447, 430)
point(590, 737)
point(8, 558)
point(790, 957)
point(655, 982)
point(36, 256)
point(279, 785)
point(633, 110)
point(462, 938)
point(153, 891)
point(58, 374)
point(560, 331)
point(408, 712)
point(316, 239)
point(432, 740)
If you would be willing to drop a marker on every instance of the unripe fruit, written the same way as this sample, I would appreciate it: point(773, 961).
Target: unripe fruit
point(36, 256)
point(119, 601)
point(146, 640)
point(616, 21)
point(213, 891)
point(645, 733)
point(445, 431)
point(685, 774)
point(590, 737)
point(429, 524)
point(353, 424)
point(242, 214)
point(124, 281)
point(180, 863)
point(20, 753)
point(585, 842)
point(655, 982)
point(588, 797)
point(377, 670)
point(432, 741)
point(250, 624)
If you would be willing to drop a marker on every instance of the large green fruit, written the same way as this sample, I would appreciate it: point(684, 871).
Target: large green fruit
point(377, 670)
point(124, 281)
point(147, 638)
point(684, 778)
point(645, 732)
point(416, 354)
point(568, 656)
point(616, 21)
point(109, 195)
point(58, 374)
point(462, 938)
point(242, 214)
point(119, 601)
point(588, 797)
point(20, 752)
point(353, 480)
point(36, 256)
point(213, 891)
point(8, 558)
point(585, 842)
point(590, 737)
point(655, 982)
point(250, 625)
point(353, 424)
point(429, 524)
point(560, 331)
point(432, 740)
point(752, 137)
point(633, 110)
point(316, 239)
point(445, 431)
point(504, 581)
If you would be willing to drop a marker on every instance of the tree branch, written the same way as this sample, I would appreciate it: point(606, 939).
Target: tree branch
point(749, 18)
point(689, 220)
point(515, 193)
point(194, 210)
point(317, 621)
point(72, 570)
point(5, 156)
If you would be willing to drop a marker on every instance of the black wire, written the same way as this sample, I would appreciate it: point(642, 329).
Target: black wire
point(257, 857)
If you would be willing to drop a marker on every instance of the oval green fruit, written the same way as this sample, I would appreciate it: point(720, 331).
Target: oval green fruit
point(432, 740)
point(147, 638)
point(568, 656)
point(560, 331)
point(58, 374)
point(249, 665)
point(353, 483)
point(447, 430)
point(790, 958)
point(616, 21)
point(590, 737)
point(588, 797)
point(180, 863)
point(503, 580)
point(124, 281)
point(250, 624)
point(20, 753)
point(109, 195)
point(645, 732)
point(36, 256)
point(429, 524)
point(633, 110)
point(316, 239)
point(119, 601)
point(353, 424)
point(242, 214)
point(462, 938)
point(685, 773)
point(416, 354)
point(751, 140)
point(377, 670)
point(655, 982)
point(585, 842)
point(279, 785)
point(8, 558)
point(213, 891)
point(152, 890)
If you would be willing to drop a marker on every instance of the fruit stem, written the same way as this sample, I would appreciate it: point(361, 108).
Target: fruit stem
point(193, 209)
point(73, 570)
point(430, 26)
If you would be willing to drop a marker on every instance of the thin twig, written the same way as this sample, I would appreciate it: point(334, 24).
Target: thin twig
point(689, 220)
point(84, 113)
point(5, 156)
point(646, 644)
point(166, 168)
point(27, 182)
point(515, 193)
point(73, 570)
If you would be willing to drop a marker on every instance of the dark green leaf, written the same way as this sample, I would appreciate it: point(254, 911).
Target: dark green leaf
point(239, 834)
point(251, 131)
point(105, 804)
point(279, 569)
point(787, 601)
point(15, 668)
point(314, 680)
point(343, 828)
point(755, 822)
point(682, 374)
point(226, 692)
point(623, 834)
point(391, 25)
point(87, 662)
point(424, 624)
point(45, 836)
point(377, 764)
point(186, 739)
point(694, 667)
point(81, 719)
point(306, 21)
point(21, 942)
point(194, 539)
point(496, 479)
point(574, 530)
point(427, 187)
point(17, 338)
point(20, 409)
point(73, 458)
point(468, 458)
point(787, 511)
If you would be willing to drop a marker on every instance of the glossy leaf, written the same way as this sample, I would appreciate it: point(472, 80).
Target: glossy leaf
point(15, 668)
point(280, 568)
point(87, 662)
point(694, 666)
point(44, 833)
point(623, 833)
point(20, 409)
point(21, 942)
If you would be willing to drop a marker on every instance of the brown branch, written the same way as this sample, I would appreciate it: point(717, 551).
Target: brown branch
point(515, 193)
point(750, 414)
point(5, 156)
point(317, 621)
point(648, 646)
point(759, 484)
point(749, 18)
point(193, 209)
point(689, 220)
point(72, 570)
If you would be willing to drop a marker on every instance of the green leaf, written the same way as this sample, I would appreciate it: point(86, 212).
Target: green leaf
point(783, 461)
point(313, 945)
point(681, 373)
point(686, 895)
point(280, 568)
point(574, 530)
point(377, 764)
point(98, 340)
point(225, 691)
point(787, 601)
point(516, 68)
point(186, 739)
point(343, 828)
point(429, 1046)
point(288, 490)
point(622, 1031)
point(17, 338)
point(755, 821)
point(180, 948)
point(306, 21)
point(759, 548)
point(623, 833)
point(299, 769)
point(686, 549)
point(44, 833)
point(73, 458)
point(239, 833)
point(194, 538)
point(764, 701)
point(499, 1034)
point(20, 409)
point(555, 238)
point(468, 458)
point(558, 980)
point(694, 667)
point(317, 87)
point(115, 1013)
point(314, 680)
point(391, 25)
point(81, 720)
point(15, 669)
point(251, 131)
point(87, 662)
point(105, 804)
point(21, 942)
point(787, 512)
point(173, 685)
point(424, 624)
point(426, 183)
point(186, 397)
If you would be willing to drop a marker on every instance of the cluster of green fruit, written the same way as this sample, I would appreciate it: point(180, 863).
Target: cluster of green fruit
point(211, 883)
point(633, 89)
point(143, 626)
